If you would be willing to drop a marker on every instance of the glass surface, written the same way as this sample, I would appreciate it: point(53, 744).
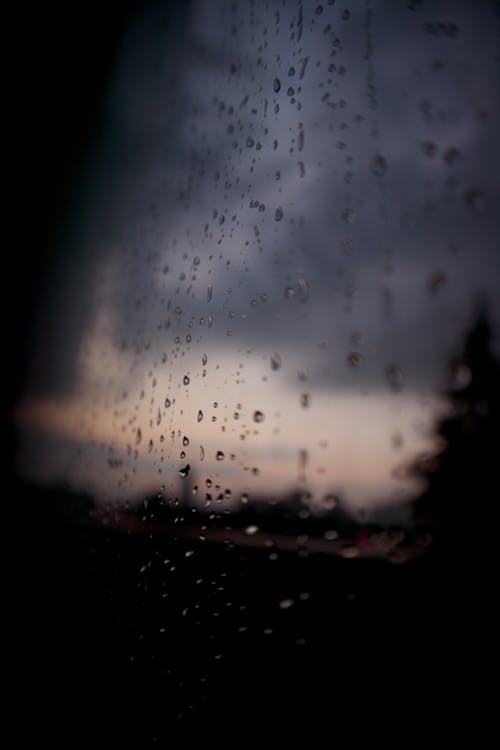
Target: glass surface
point(264, 337)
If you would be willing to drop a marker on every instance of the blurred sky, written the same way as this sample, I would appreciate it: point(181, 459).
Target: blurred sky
point(288, 207)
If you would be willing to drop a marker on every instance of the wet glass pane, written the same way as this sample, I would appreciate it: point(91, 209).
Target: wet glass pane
point(256, 398)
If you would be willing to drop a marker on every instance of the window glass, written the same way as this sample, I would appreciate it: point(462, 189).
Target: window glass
point(269, 316)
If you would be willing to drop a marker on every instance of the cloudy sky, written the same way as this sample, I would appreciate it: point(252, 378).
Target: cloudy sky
point(290, 208)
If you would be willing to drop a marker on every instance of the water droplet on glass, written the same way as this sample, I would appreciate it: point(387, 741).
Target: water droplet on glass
point(451, 155)
point(258, 416)
point(202, 453)
point(354, 359)
point(138, 436)
point(244, 499)
point(305, 400)
point(209, 292)
point(251, 529)
point(200, 415)
point(348, 215)
point(329, 502)
point(185, 471)
point(204, 360)
point(186, 380)
point(429, 149)
point(395, 377)
point(462, 376)
point(286, 603)
point(278, 214)
point(185, 440)
point(330, 535)
point(276, 85)
point(436, 281)
point(219, 456)
point(275, 361)
point(379, 166)
point(168, 403)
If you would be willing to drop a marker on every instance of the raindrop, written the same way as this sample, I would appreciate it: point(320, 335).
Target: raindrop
point(219, 456)
point(185, 471)
point(462, 376)
point(348, 215)
point(204, 360)
point(150, 446)
point(330, 535)
point(451, 155)
point(329, 502)
point(185, 440)
point(251, 529)
point(202, 453)
point(186, 380)
point(395, 377)
point(209, 292)
point(258, 416)
point(200, 415)
point(379, 166)
point(244, 499)
point(436, 281)
point(286, 603)
point(354, 359)
point(305, 400)
point(346, 14)
point(138, 436)
point(277, 85)
point(208, 483)
point(278, 214)
point(196, 261)
point(275, 361)
point(429, 149)
point(250, 141)
point(300, 138)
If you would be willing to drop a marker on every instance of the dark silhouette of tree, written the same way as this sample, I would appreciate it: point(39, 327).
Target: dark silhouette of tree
point(462, 481)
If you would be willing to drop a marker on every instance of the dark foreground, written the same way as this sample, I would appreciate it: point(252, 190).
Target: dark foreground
point(137, 638)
